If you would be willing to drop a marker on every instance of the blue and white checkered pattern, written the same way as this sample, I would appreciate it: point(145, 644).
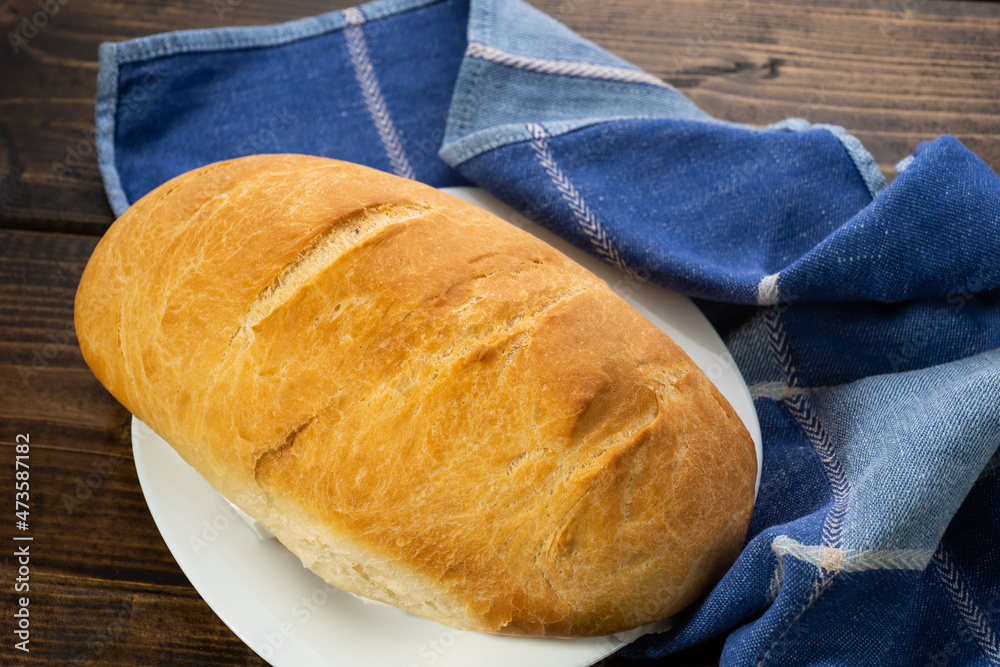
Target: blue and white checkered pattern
point(864, 316)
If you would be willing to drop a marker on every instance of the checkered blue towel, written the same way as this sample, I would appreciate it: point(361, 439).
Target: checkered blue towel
point(864, 316)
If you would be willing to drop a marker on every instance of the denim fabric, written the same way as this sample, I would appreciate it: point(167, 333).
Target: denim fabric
point(240, 103)
point(865, 317)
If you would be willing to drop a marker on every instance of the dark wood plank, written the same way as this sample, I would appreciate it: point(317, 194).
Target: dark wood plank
point(88, 517)
point(42, 374)
point(93, 540)
point(84, 495)
point(893, 74)
point(48, 164)
point(113, 627)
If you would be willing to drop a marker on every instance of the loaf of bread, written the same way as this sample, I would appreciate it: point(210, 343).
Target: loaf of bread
point(427, 405)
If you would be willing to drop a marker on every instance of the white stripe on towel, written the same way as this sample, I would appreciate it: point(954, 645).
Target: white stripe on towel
point(562, 67)
point(357, 47)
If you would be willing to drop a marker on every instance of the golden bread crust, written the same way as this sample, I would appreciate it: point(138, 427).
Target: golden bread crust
point(429, 406)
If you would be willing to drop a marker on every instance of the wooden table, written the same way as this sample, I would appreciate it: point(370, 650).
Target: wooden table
point(104, 590)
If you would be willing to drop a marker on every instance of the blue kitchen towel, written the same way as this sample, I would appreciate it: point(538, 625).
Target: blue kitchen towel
point(864, 316)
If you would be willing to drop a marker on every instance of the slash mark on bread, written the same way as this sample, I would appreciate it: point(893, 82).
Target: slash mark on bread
point(324, 251)
point(274, 453)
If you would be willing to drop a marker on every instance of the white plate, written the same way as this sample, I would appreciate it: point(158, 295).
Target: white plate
point(292, 618)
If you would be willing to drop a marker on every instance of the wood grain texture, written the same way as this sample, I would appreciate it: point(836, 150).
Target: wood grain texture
point(49, 179)
point(892, 74)
point(115, 627)
point(105, 590)
point(95, 548)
